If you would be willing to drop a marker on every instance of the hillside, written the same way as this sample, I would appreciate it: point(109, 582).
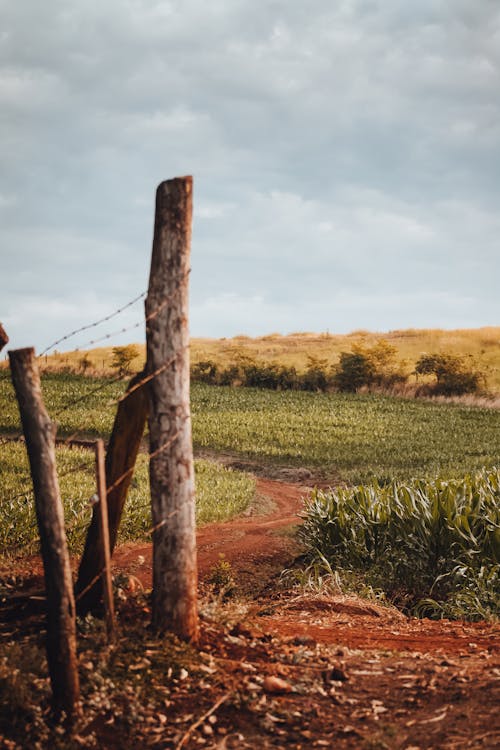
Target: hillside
point(481, 344)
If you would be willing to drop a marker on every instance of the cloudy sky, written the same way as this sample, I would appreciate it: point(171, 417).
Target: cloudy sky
point(345, 159)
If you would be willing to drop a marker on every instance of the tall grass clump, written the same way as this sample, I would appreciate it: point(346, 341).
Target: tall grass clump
point(433, 546)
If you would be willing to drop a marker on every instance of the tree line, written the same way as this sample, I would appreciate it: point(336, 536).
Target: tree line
point(363, 367)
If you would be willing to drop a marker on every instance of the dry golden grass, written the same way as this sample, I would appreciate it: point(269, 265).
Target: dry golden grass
point(481, 344)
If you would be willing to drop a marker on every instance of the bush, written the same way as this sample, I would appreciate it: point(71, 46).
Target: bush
point(204, 372)
point(454, 377)
point(315, 377)
point(353, 371)
point(367, 366)
point(123, 356)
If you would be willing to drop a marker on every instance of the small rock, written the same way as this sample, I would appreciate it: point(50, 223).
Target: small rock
point(303, 640)
point(241, 630)
point(276, 685)
point(334, 674)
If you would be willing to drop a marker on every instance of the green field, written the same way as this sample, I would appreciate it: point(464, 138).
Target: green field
point(220, 494)
point(352, 438)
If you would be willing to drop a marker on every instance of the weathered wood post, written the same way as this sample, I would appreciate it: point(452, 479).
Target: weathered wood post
point(171, 463)
point(104, 536)
point(4, 339)
point(39, 433)
point(121, 456)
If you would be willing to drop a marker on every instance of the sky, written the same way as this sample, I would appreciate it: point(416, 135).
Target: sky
point(345, 158)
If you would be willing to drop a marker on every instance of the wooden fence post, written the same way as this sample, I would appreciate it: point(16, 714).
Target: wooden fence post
point(104, 535)
point(39, 433)
point(121, 455)
point(171, 463)
point(4, 339)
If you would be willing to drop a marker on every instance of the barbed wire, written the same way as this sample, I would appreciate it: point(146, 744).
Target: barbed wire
point(139, 323)
point(94, 324)
point(29, 491)
point(125, 329)
point(109, 335)
point(80, 523)
point(87, 395)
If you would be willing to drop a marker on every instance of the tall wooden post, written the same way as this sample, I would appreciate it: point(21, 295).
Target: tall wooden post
point(171, 464)
point(39, 433)
point(104, 534)
point(4, 339)
point(121, 456)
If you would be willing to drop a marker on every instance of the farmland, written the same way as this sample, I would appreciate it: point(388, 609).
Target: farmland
point(220, 494)
point(340, 437)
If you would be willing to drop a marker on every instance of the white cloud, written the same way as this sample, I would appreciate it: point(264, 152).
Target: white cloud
point(342, 151)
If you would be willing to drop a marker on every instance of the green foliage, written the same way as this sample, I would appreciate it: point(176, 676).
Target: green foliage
point(362, 366)
point(221, 577)
point(355, 436)
point(204, 372)
point(436, 542)
point(353, 371)
point(366, 366)
point(123, 356)
point(454, 375)
point(221, 493)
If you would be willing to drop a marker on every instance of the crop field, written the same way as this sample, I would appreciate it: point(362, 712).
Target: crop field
point(431, 546)
point(220, 494)
point(352, 438)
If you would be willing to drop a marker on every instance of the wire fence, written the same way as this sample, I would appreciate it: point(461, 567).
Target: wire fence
point(28, 490)
point(125, 329)
point(96, 323)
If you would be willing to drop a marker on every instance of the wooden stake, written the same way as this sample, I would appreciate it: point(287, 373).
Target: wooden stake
point(121, 455)
point(39, 433)
point(4, 339)
point(171, 466)
point(104, 538)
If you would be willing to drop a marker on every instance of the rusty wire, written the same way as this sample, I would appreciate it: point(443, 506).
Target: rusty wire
point(94, 324)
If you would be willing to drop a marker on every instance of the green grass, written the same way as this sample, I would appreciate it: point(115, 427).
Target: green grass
point(220, 494)
point(355, 437)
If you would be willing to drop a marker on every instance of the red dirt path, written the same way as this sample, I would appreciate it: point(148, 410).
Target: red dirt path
point(254, 545)
point(258, 547)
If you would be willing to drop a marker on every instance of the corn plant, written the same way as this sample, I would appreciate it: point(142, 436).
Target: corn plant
point(432, 540)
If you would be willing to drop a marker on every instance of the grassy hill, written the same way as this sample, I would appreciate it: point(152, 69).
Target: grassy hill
point(481, 344)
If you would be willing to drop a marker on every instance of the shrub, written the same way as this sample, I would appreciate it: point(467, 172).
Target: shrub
point(353, 371)
point(84, 363)
point(366, 366)
point(204, 372)
point(123, 356)
point(454, 377)
point(315, 378)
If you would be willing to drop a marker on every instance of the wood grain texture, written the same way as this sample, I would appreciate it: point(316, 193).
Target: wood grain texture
point(39, 433)
point(171, 465)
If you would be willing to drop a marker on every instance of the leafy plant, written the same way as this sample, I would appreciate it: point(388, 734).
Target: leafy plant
point(123, 356)
point(437, 541)
point(454, 375)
